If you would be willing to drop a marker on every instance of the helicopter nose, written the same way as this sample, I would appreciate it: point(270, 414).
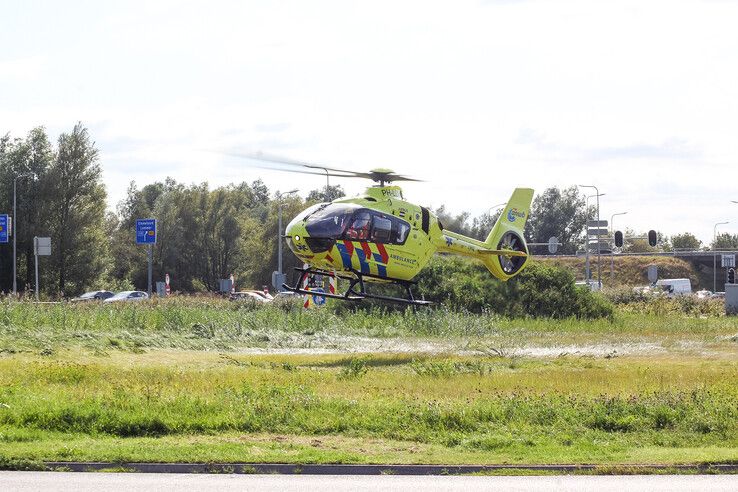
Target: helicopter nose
point(295, 235)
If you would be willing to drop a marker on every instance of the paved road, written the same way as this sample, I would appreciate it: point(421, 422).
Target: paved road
point(132, 482)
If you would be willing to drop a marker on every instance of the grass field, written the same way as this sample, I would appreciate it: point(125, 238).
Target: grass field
point(180, 381)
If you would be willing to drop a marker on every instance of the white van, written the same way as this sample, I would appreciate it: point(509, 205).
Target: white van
point(675, 286)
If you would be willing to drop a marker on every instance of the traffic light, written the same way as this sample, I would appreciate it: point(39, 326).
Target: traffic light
point(618, 239)
point(731, 275)
point(652, 238)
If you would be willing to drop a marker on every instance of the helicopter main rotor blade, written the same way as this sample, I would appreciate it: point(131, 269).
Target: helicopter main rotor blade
point(259, 156)
point(299, 167)
point(296, 169)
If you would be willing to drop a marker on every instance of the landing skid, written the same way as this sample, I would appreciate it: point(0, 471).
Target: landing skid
point(356, 280)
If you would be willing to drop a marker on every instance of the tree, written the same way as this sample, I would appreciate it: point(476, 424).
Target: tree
point(326, 195)
point(456, 223)
point(77, 213)
point(685, 241)
point(560, 213)
point(260, 191)
point(725, 242)
point(482, 225)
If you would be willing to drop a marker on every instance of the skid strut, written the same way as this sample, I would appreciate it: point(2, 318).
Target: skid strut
point(356, 279)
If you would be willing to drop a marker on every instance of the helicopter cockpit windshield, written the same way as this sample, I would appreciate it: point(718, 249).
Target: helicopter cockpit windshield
point(330, 222)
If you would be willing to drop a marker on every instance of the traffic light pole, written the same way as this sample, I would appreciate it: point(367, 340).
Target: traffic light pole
point(612, 250)
point(714, 255)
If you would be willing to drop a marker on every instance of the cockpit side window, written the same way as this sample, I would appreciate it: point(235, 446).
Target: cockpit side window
point(386, 228)
point(360, 226)
point(399, 231)
point(382, 231)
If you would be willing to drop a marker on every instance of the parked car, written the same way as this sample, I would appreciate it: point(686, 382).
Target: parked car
point(703, 294)
point(254, 295)
point(95, 295)
point(649, 291)
point(128, 296)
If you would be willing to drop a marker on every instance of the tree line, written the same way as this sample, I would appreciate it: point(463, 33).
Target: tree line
point(204, 234)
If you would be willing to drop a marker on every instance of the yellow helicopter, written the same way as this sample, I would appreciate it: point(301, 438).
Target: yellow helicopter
point(380, 237)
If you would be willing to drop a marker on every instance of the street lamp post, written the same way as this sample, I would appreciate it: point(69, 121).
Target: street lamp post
point(612, 250)
point(279, 231)
point(599, 267)
point(15, 229)
point(714, 256)
point(327, 185)
point(495, 207)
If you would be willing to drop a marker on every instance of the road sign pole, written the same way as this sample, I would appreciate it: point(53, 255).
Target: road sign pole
point(151, 265)
point(586, 242)
point(15, 225)
point(41, 247)
point(35, 254)
point(599, 266)
point(146, 234)
point(5, 223)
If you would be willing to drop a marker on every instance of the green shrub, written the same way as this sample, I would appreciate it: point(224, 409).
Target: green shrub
point(541, 290)
point(355, 368)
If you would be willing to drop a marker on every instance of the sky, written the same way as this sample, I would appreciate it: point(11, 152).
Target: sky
point(474, 97)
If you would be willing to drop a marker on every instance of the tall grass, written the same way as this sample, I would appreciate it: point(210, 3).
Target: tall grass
point(216, 324)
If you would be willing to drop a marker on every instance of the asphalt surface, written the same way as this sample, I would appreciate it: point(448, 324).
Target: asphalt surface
point(132, 482)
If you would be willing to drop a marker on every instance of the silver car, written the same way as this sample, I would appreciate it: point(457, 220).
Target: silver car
point(128, 296)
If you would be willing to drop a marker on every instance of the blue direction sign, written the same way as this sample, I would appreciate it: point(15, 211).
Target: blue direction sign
point(145, 231)
point(4, 228)
point(318, 300)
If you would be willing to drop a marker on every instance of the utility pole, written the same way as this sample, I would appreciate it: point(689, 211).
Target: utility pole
point(612, 250)
point(714, 256)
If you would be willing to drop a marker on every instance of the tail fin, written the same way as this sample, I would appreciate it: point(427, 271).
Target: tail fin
point(507, 234)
